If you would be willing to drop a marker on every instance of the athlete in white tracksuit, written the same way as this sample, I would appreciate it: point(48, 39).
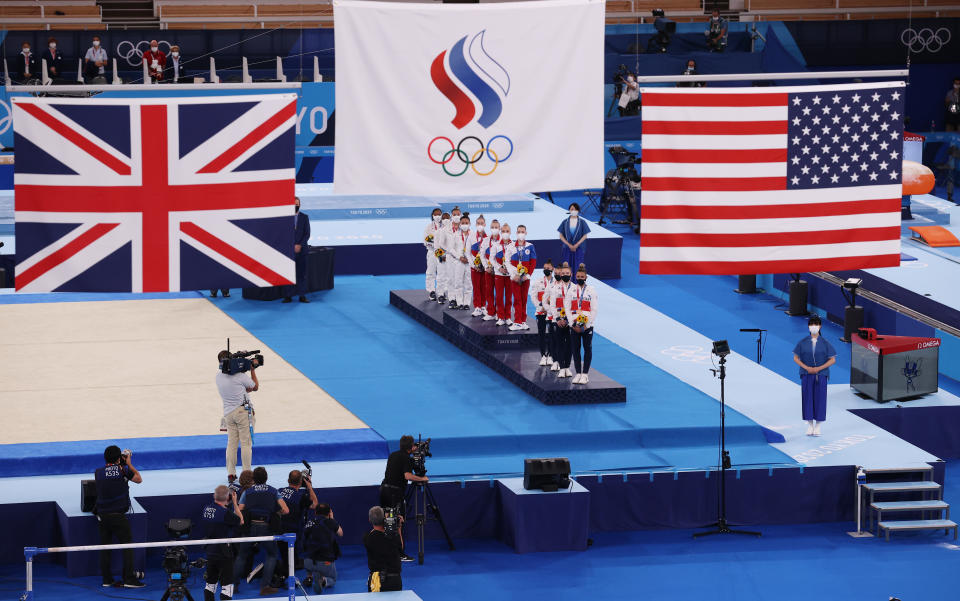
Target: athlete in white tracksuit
point(458, 264)
point(440, 241)
point(429, 235)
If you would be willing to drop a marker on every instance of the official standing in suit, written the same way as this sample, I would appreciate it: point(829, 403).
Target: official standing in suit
point(25, 65)
point(301, 236)
point(173, 71)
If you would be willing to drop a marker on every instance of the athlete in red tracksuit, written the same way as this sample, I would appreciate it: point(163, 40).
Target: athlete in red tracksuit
point(501, 279)
point(476, 266)
point(490, 311)
point(521, 261)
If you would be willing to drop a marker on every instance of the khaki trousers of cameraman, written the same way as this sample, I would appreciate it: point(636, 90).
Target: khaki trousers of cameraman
point(238, 433)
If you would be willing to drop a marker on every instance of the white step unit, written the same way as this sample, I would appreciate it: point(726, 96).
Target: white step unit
point(945, 525)
point(942, 508)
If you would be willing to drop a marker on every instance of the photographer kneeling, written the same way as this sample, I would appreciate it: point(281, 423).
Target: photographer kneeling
point(221, 521)
point(321, 548)
point(393, 489)
point(383, 555)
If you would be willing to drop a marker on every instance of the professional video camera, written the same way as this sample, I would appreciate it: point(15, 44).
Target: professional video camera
point(419, 456)
point(176, 563)
point(241, 361)
point(391, 520)
point(665, 29)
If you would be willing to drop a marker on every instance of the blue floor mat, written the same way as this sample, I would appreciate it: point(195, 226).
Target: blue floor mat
point(400, 378)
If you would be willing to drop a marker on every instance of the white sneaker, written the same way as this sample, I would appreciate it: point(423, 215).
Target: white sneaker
point(555, 367)
point(476, 312)
point(515, 327)
point(543, 361)
point(584, 379)
point(576, 379)
point(809, 428)
point(509, 322)
point(549, 360)
point(500, 322)
point(524, 326)
point(489, 317)
point(816, 429)
point(565, 373)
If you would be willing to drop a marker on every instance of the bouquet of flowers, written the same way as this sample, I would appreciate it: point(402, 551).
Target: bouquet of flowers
point(477, 262)
point(440, 254)
point(522, 270)
point(561, 314)
point(580, 321)
point(429, 239)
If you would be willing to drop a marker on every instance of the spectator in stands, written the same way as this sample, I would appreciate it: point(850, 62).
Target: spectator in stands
point(383, 555)
point(95, 61)
point(174, 70)
point(690, 69)
point(301, 237)
point(113, 502)
point(321, 548)
point(814, 354)
point(716, 32)
point(156, 61)
point(263, 504)
point(222, 519)
point(54, 59)
point(952, 105)
point(629, 104)
point(26, 66)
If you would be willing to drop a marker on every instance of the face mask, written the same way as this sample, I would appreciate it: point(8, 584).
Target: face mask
point(446, 222)
point(479, 228)
point(521, 237)
point(505, 236)
point(494, 231)
point(174, 54)
point(456, 218)
point(547, 272)
point(814, 329)
point(582, 281)
point(574, 212)
point(96, 43)
point(153, 48)
point(26, 51)
point(436, 218)
point(565, 278)
point(464, 228)
point(53, 46)
point(296, 208)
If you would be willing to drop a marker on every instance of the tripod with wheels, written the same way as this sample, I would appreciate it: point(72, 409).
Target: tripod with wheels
point(423, 499)
point(721, 526)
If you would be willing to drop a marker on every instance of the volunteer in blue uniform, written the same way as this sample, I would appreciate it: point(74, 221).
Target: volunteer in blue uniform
point(262, 503)
point(814, 354)
point(113, 502)
point(221, 519)
point(301, 235)
point(573, 237)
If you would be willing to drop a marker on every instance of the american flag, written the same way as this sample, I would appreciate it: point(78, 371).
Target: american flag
point(755, 180)
point(154, 194)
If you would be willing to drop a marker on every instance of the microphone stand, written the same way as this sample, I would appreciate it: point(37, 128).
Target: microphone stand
point(759, 332)
point(721, 526)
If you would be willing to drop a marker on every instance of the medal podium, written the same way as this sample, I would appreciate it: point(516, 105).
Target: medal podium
point(889, 368)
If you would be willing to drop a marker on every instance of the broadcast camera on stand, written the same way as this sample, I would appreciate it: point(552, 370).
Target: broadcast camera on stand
point(176, 563)
point(620, 198)
point(240, 361)
point(423, 498)
point(665, 29)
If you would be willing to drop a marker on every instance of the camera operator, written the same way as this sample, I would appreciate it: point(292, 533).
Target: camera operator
point(221, 521)
point(690, 69)
point(629, 104)
point(262, 504)
point(233, 390)
point(321, 548)
point(113, 502)
point(299, 496)
point(716, 33)
point(383, 555)
point(399, 471)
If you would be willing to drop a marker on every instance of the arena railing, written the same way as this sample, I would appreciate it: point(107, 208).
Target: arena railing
point(30, 553)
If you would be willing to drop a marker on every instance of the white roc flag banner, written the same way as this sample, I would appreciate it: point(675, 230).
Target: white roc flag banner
point(466, 99)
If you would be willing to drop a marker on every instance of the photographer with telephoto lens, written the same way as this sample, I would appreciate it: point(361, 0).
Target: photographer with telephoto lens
point(113, 502)
point(222, 519)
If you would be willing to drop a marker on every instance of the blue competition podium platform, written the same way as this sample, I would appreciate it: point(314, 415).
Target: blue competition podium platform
point(514, 355)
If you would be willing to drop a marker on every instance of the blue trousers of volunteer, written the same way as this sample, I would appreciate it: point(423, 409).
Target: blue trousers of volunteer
point(813, 389)
point(573, 258)
point(300, 288)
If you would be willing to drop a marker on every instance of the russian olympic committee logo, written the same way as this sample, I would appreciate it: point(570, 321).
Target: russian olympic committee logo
point(133, 52)
point(473, 69)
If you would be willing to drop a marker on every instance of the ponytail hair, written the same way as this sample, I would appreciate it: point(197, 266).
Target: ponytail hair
point(565, 265)
point(582, 268)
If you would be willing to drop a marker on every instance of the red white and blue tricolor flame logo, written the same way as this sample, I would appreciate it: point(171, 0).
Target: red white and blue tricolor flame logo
point(467, 67)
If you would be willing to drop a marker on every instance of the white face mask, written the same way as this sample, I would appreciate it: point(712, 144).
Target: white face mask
point(505, 235)
point(814, 330)
point(436, 218)
point(521, 237)
point(464, 227)
point(153, 48)
point(26, 51)
point(175, 54)
point(446, 222)
point(96, 43)
point(574, 212)
point(494, 231)
point(456, 218)
point(53, 45)
point(479, 228)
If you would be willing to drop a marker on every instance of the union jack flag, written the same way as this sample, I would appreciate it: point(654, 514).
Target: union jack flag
point(154, 194)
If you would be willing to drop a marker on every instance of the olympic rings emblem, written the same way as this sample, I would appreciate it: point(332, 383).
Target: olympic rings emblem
point(470, 157)
point(135, 51)
point(6, 120)
point(925, 39)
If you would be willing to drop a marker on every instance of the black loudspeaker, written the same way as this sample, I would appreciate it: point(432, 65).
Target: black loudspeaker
point(3, 277)
point(88, 495)
point(852, 321)
point(798, 298)
point(746, 284)
point(548, 475)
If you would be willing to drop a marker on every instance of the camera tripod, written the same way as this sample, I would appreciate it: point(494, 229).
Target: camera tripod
point(423, 499)
point(176, 591)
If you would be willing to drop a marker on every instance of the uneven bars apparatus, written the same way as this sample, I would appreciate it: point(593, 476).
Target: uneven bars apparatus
point(290, 538)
